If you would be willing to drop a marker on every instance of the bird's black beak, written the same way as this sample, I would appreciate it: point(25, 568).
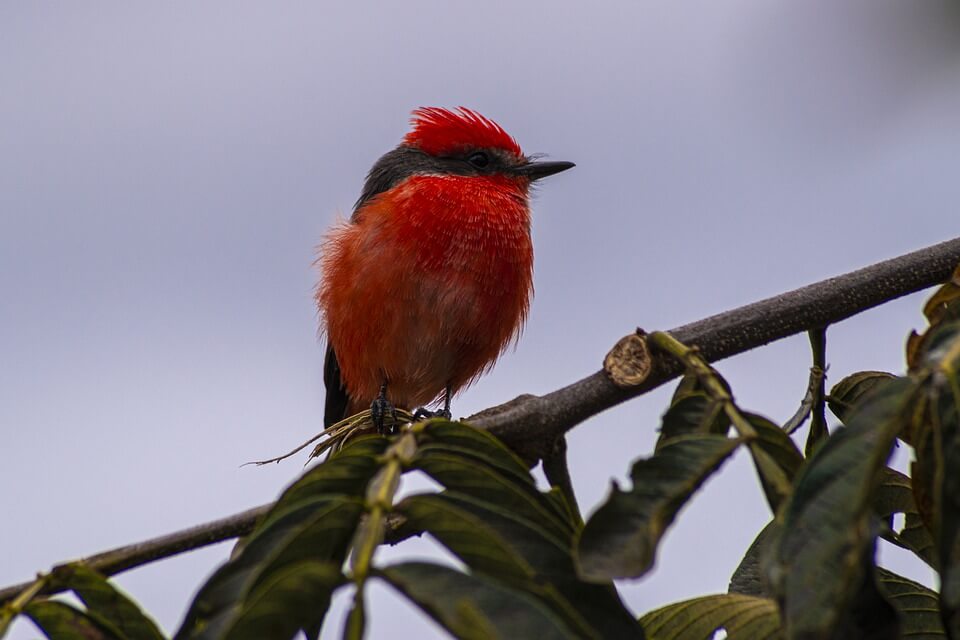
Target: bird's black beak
point(536, 170)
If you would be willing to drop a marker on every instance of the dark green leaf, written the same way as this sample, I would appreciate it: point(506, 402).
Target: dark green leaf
point(867, 613)
point(447, 442)
point(468, 535)
point(691, 413)
point(274, 609)
point(943, 394)
point(845, 394)
point(821, 561)
point(475, 478)
point(105, 602)
point(471, 442)
point(512, 543)
point(918, 606)
point(776, 458)
point(895, 495)
point(748, 579)
point(620, 539)
point(743, 617)
point(496, 520)
point(60, 621)
point(311, 524)
point(474, 607)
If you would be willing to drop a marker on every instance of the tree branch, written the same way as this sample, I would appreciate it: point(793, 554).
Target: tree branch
point(530, 425)
point(134, 555)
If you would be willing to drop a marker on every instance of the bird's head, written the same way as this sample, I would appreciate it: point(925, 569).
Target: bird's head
point(456, 142)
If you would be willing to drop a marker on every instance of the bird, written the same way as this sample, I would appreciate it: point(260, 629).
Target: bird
point(431, 279)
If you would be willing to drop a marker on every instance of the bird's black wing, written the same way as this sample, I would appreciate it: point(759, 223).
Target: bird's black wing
point(335, 409)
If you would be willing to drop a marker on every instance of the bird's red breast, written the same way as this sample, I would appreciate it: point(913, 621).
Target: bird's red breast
point(428, 285)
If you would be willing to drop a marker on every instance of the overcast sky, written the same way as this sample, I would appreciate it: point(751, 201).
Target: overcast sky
point(166, 172)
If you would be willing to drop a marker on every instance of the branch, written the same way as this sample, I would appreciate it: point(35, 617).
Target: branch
point(134, 555)
point(530, 425)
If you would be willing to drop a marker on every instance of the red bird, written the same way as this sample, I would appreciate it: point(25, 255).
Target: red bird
point(431, 279)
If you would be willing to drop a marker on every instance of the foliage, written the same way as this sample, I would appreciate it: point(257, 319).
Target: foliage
point(532, 568)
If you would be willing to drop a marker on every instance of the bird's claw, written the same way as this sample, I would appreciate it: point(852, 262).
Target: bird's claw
point(426, 414)
point(380, 408)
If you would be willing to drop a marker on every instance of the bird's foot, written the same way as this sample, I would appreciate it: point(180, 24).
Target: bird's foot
point(380, 408)
point(425, 414)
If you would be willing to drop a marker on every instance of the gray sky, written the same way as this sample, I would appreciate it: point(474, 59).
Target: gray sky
point(166, 172)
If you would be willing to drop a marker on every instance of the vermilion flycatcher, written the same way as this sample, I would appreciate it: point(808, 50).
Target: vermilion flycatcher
point(432, 277)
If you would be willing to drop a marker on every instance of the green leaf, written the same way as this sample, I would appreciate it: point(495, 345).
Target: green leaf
point(844, 395)
point(748, 578)
point(743, 617)
point(311, 524)
point(474, 607)
point(776, 458)
point(895, 495)
point(942, 359)
point(478, 444)
point(620, 539)
point(496, 520)
point(60, 621)
point(756, 616)
point(449, 445)
point(821, 558)
point(475, 478)
point(918, 606)
point(468, 535)
point(105, 602)
point(690, 413)
point(273, 609)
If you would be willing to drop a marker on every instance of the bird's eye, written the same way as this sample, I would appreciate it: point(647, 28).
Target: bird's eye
point(479, 159)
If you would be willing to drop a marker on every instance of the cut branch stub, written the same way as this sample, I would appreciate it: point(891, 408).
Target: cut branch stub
point(628, 364)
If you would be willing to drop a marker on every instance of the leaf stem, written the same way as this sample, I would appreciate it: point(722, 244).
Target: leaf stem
point(379, 502)
point(696, 365)
point(12, 609)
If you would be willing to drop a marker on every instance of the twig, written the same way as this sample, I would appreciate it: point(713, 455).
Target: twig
point(530, 425)
point(809, 399)
point(818, 415)
point(557, 470)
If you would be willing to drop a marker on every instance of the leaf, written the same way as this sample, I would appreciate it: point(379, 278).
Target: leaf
point(943, 307)
point(743, 617)
point(474, 607)
point(272, 610)
point(105, 603)
point(501, 525)
point(691, 413)
point(822, 553)
point(756, 616)
point(776, 458)
point(60, 621)
point(468, 535)
point(311, 524)
point(895, 495)
point(476, 478)
point(868, 613)
point(943, 394)
point(449, 445)
point(478, 444)
point(918, 605)
point(620, 539)
point(748, 578)
point(845, 394)
point(936, 472)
